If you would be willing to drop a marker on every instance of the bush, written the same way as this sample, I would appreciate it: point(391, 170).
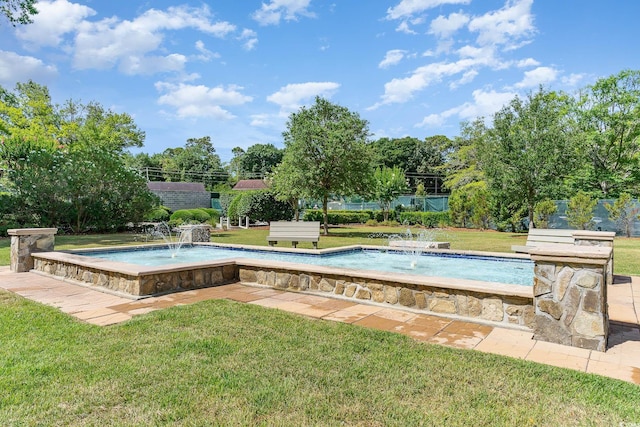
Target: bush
point(158, 214)
point(189, 215)
point(339, 217)
point(371, 223)
point(427, 219)
point(214, 215)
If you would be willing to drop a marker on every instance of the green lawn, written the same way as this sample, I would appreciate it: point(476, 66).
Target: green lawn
point(226, 363)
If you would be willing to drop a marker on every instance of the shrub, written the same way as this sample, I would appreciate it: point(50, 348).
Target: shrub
point(190, 215)
point(157, 214)
point(214, 215)
point(542, 212)
point(580, 211)
point(427, 219)
point(339, 217)
point(371, 223)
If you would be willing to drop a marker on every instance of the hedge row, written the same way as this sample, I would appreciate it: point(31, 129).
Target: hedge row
point(427, 219)
point(339, 217)
point(195, 215)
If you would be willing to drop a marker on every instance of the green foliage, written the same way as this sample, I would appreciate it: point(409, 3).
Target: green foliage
point(426, 219)
point(79, 189)
point(197, 159)
point(388, 183)
point(420, 191)
point(580, 211)
point(187, 216)
point(462, 164)
point(261, 205)
point(327, 152)
point(18, 11)
point(470, 205)
point(543, 211)
point(258, 160)
point(609, 121)
point(158, 214)
point(623, 213)
point(339, 217)
point(528, 153)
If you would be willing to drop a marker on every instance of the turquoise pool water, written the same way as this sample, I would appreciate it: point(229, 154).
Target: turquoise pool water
point(489, 269)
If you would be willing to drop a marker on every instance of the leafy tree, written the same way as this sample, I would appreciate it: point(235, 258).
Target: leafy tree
point(259, 160)
point(326, 145)
point(609, 119)
point(528, 152)
point(470, 205)
point(18, 11)
point(580, 211)
point(196, 161)
point(289, 186)
point(543, 211)
point(623, 212)
point(461, 166)
point(388, 183)
point(261, 205)
point(398, 152)
point(420, 191)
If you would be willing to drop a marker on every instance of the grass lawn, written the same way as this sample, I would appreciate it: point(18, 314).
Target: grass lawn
point(226, 363)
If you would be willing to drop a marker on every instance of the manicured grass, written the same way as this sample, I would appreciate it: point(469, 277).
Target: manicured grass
point(627, 251)
point(226, 363)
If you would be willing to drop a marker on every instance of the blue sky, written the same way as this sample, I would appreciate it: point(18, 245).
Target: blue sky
point(236, 69)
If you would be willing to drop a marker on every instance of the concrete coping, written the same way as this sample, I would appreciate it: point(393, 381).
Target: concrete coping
point(594, 255)
point(31, 231)
point(594, 235)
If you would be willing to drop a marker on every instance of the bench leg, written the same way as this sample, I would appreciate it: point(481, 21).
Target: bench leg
point(294, 244)
point(271, 243)
point(315, 245)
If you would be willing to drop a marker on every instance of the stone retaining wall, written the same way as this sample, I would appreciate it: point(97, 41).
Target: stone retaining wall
point(494, 308)
point(139, 284)
point(25, 242)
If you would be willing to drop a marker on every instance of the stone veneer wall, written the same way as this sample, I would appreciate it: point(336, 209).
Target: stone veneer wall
point(570, 295)
point(514, 310)
point(26, 241)
point(140, 284)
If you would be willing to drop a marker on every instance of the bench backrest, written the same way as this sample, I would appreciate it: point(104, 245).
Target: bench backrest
point(546, 236)
point(294, 228)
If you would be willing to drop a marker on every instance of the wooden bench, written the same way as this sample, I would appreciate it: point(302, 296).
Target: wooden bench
point(294, 232)
point(546, 237)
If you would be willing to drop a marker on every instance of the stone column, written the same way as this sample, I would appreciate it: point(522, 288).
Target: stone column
point(195, 233)
point(596, 238)
point(570, 295)
point(25, 241)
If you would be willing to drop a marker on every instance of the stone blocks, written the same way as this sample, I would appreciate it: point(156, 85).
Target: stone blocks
point(26, 241)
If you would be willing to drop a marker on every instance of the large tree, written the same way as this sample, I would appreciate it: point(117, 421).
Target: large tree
point(528, 152)
point(326, 146)
point(388, 183)
point(259, 160)
point(609, 121)
point(196, 161)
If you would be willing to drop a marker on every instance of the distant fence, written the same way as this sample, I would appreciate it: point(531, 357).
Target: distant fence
point(424, 204)
point(600, 217)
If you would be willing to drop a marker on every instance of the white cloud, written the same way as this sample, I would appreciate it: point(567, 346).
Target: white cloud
point(205, 54)
point(506, 26)
point(392, 57)
point(466, 78)
point(537, 76)
point(573, 79)
point(403, 27)
point(261, 120)
point(250, 39)
point(54, 20)
point(289, 10)
point(408, 8)
point(445, 27)
point(291, 96)
point(15, 68)
point(110, 42)
point(484, 104)
point(193, 101)
point(529, 62)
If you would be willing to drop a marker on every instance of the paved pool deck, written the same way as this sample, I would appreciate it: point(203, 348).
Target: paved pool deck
point(621, 360)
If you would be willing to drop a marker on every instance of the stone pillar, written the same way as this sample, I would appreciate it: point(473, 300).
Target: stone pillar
point(596, 238)
point(195, 233)
point(570, 295)
point(25, 241)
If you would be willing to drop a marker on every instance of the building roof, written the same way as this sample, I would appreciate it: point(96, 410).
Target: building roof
point(176, 186)
point(250, 184)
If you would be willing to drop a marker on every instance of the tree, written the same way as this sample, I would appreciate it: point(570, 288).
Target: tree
point(388, 183)
point(528, 152)
point(18, 11)
point(326, 146)
point(623, 212)
point(543, 211)
point(197, 160)
point(288, 185)
point(470, 204)
point(461, 165)
point(580, 211)
point(259, 160)
point(609, 119)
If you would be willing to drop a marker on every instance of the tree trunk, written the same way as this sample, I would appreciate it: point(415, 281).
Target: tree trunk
point(325, 215)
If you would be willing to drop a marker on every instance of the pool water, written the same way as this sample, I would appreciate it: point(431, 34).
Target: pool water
point(484, 268)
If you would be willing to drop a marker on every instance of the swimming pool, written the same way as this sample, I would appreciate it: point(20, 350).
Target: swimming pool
point(449, 265)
